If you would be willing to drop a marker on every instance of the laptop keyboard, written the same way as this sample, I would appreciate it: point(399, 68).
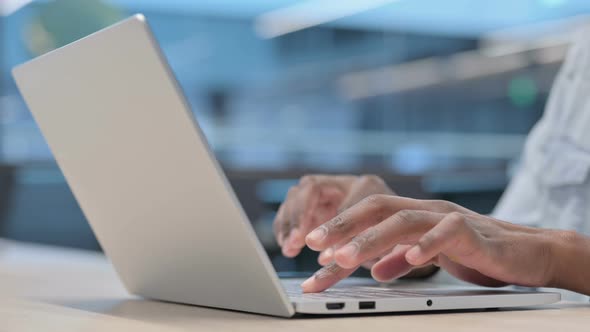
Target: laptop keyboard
point(364, 291)
point(357, 292)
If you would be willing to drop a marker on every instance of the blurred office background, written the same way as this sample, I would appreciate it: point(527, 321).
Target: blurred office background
point(436, 96)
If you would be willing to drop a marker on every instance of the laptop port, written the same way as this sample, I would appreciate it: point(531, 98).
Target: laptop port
point(334, 305)
point(365, 305)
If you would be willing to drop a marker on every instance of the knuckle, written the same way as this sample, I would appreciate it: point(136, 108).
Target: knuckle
point(328, 271)
point(339, 224)
point(307, 180)
point(405, 216)
point(371, 179)
point(310, 184)
point(456, 219)
point(442, 205)
point(367, 240)
point(375, 200)
point(377, 204)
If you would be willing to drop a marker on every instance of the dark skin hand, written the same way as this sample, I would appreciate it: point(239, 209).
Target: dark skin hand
point(315, 200)
point(396, 234)
point(319, 198)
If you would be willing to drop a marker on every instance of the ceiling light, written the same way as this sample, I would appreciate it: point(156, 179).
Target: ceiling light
point(309, 13)
point(8, 7)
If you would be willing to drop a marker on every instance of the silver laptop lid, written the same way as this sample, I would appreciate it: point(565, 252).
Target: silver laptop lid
point(125, 139)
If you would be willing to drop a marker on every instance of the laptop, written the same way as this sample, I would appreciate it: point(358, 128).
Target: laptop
point(157, 200)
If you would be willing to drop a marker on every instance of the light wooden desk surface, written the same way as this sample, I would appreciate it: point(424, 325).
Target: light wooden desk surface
point(52, 289)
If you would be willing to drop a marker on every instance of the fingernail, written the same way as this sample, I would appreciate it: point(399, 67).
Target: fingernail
point(350, 250)
point(317, 235)
point(413, 254)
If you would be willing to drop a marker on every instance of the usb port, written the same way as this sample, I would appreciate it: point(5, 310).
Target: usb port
point(367, 305)
point(334, 305)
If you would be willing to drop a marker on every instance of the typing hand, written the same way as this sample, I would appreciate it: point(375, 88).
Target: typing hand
point(403, 233)
point(315, 200)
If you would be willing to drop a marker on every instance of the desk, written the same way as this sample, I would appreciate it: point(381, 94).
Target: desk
point(53, 289)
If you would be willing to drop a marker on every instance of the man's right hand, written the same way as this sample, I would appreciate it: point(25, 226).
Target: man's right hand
point(317, 199)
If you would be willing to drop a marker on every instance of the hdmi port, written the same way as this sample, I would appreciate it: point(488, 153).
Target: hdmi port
point(334, 305)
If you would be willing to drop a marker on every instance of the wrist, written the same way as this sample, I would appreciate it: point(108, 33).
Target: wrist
point(569, 261)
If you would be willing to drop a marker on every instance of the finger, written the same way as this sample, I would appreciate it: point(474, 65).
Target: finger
point(325, 210)
point(326, 257)
point(451, 230)
point(331, 190)
point(457, 248)
point(304, 197)
point(325, 278)
point(312, 206)
point(277, 225)
point(330, 198)
point(368, 212)
point(285, 223)
point(369, 264)
point(393, 265)
point(404, 227)
point(288, 223)
point(289, 248)
point(303, 206)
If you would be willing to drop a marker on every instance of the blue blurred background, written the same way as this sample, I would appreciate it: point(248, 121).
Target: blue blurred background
point(436, 96)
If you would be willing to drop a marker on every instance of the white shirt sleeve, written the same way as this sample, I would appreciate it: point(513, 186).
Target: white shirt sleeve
point(552, 186)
